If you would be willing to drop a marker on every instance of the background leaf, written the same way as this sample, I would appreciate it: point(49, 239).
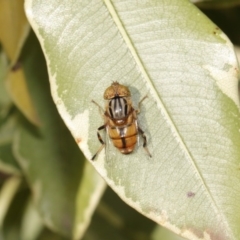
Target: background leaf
point(17, 88)
point(216, 3)
point(8, 191)
point(88, 196)
point(8, 163)
point(14, 28)
point(32, 224)
point(13, 33)
point(49, 157)
point(5, 101)
point(187, 67)
point(163, 233)
point(12, 222)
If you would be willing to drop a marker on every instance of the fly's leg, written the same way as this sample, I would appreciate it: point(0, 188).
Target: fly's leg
point(139, 104)
point(100, 140)
point(101, 111)
point(140, 130)
point(144, 141)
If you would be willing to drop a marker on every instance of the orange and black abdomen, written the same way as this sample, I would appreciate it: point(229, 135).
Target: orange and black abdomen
point(124, 137)
point(121, 123)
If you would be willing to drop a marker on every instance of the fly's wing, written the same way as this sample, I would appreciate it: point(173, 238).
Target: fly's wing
point(110, 153)
point(138, 139)
point(142, 140)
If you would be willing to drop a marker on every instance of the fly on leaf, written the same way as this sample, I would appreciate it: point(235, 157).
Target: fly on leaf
point(120, 120)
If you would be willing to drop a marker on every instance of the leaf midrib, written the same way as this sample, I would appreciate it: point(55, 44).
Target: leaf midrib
point(160, 104)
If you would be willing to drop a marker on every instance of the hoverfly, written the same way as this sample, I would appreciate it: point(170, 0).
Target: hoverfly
point(120, 120)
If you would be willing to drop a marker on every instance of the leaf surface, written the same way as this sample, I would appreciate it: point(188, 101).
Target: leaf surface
point(50, 159)
point(14, 28)
point(8, 163)
point(5, 101)
point(17, 88)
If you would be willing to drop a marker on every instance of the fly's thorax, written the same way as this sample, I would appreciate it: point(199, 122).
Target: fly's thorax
point(118, 107)
point(123, 122)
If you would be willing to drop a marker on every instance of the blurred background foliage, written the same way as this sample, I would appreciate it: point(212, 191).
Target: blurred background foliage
point(33, 136)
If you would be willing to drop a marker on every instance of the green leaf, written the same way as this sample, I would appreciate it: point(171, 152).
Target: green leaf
point(88, 196)
point(237, 50)
point(113, 215)
point(8, 163)
point(32, 224)
point(17, 88)
point(163, 233)
point(187, 66)
point(5, 101)
point(8, 191)
point(50, 159)
point(216, 3)
point(14, 28)
point(12, 221)
point(47, 234)
point(100, 228)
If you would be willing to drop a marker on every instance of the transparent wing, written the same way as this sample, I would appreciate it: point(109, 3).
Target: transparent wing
point(110, 154)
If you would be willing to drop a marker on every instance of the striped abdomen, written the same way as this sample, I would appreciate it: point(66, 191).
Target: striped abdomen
point(124, 137)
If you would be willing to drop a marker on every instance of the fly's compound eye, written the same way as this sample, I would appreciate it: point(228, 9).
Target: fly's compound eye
point(115, 90)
